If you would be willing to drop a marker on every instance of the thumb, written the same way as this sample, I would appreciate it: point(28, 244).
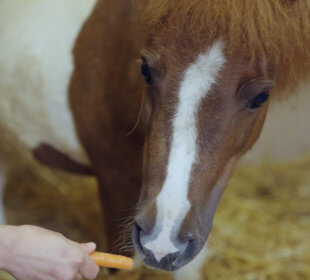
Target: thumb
point(88, 247)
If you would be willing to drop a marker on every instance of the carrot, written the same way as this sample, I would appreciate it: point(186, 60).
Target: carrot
point(112, 261)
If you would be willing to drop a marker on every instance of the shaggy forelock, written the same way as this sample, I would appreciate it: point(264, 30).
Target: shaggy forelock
point(276, 31)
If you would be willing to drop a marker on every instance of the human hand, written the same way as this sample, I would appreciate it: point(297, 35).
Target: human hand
point(31, 252)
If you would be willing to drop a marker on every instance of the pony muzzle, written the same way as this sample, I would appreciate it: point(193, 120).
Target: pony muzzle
point(161, 256)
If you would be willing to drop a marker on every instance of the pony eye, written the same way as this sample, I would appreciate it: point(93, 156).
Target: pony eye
point(258, 101)
point(145, 71)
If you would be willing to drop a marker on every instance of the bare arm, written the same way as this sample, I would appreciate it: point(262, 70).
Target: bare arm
point(29, 252)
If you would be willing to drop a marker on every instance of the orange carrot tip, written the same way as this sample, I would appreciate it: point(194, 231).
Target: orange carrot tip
point(112, 261)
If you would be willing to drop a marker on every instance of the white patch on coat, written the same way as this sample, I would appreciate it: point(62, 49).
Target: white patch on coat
point(36, 63)
point(172, 201)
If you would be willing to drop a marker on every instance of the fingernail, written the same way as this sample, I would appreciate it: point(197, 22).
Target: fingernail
point(91, 246)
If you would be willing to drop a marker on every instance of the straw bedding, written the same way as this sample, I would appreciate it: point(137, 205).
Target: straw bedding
point(261, 228)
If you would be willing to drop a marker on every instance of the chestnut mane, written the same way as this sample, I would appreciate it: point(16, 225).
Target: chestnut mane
point(275, 31)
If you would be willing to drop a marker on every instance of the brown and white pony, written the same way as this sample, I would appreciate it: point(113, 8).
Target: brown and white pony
point(210, 69)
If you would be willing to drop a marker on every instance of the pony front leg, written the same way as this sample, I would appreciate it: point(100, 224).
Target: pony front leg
point(192, 270)
point(2, 186)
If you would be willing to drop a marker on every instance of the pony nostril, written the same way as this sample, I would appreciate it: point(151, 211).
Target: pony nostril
point(138, 235)
point(193, 246)
point(137, 230)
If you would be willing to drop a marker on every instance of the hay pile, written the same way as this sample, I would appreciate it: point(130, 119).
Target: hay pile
point(261, 228)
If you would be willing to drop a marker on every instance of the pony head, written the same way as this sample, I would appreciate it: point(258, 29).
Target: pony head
point(210, 69)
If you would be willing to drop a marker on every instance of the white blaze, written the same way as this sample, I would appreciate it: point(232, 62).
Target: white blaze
point(172, 201)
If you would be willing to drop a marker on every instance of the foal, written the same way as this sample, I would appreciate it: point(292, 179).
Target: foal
point(210, 69)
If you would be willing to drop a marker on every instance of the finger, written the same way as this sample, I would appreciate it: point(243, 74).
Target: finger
point(89, 269)
point(73, 243)
point(88, 247)
point(79, 276)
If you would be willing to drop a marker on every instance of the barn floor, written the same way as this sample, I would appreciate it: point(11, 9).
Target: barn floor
point(261, 228)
